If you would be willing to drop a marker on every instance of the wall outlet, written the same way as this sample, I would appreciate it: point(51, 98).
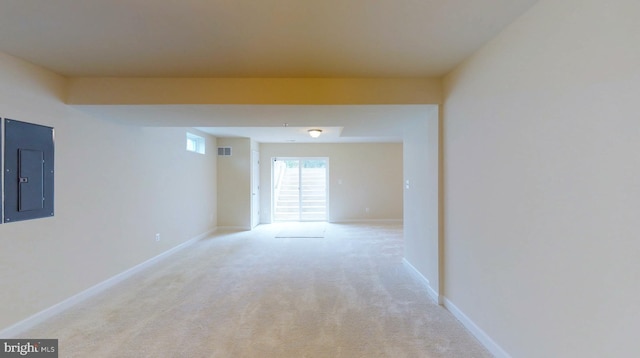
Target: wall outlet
point(366, 210)
point(157, 237)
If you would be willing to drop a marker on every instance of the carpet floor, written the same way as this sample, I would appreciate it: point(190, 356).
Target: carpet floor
point(250, 294)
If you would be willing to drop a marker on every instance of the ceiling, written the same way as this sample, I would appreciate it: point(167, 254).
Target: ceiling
point(277, 123)
point(243, 38)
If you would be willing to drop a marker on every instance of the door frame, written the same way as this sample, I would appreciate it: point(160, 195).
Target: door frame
point(255, 188)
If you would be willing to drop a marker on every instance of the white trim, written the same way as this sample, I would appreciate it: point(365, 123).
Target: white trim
point(417, 274)
point(481, 335)
point(18, 328)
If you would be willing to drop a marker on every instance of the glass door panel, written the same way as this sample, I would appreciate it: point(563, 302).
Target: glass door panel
point(313, 190)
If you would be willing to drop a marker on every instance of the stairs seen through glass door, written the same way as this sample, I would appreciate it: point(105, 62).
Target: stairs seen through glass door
point(300, 189)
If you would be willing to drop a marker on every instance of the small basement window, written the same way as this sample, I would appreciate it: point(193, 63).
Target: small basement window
point(195, 143)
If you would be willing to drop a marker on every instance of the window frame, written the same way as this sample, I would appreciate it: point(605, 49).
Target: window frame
point(195, 143)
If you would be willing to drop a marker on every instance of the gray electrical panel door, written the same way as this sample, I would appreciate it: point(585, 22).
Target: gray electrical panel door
point(30, 180)
point(28, 171)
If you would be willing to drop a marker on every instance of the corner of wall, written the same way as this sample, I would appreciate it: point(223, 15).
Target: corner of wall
point(477, 332)
point(433, 293)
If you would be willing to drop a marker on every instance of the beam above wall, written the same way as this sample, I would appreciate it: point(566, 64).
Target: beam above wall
point(122, 91)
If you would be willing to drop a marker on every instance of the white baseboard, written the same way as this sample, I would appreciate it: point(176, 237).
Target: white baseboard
point(432, 293)
point(483, 337)
point(480, 335)
point(16, 329)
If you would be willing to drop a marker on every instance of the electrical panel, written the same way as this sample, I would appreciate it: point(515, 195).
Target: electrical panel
point(28, 171)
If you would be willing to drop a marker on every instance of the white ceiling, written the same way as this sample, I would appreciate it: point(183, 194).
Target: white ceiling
point(266, 38)
point(276, 123)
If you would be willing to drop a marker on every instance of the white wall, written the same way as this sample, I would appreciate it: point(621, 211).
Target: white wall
point(234, 184)
point(361, 175)
point(542, 173)
point(115, 187)
point(421, 200)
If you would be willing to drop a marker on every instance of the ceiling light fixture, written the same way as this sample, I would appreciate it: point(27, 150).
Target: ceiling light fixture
point(315, 133)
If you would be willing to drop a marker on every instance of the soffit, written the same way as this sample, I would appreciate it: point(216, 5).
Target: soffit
point(276, 123)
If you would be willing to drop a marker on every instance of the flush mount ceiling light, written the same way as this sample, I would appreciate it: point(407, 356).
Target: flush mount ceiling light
point(315, 133)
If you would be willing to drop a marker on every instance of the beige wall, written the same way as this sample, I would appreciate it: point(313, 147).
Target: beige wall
point(360, 176)
point(234, 184)
point(542, 173)
point(116, 187)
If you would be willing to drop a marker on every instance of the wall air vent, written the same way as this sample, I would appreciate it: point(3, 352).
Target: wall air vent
point(224, 151)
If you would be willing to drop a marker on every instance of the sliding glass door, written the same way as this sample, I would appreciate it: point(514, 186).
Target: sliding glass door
point(299, 189)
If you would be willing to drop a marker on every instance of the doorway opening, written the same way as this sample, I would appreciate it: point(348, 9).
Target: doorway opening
point(300, 189)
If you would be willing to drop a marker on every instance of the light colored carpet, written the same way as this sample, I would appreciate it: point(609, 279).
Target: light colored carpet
point(301, 229)
point(248, 294)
